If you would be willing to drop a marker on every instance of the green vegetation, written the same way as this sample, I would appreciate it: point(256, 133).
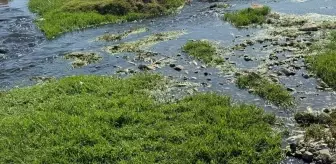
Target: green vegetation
point(248, 16)
point(324, 63)
point(261, 86)
point(139, 45)
point(115, 37)
point(81, 59)
point(58, 16)
point(203, 50)
point(306, 118)
point(97, 119)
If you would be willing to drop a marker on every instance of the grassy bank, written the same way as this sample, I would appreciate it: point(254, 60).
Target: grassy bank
point(248, 16)
point(324, 63)
point(95, 119)
point(58, 16)
point(202, 50)
point(266, 89)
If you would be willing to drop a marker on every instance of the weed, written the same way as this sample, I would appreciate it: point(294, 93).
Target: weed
point(248, 16)
point(261, 86)
point(203, 50)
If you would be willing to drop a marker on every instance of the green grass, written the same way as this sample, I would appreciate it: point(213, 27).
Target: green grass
point(247, 16)
point(266, 89)
point(324, 63)
point(59, 16)
point(96, 119)
point(202, 50)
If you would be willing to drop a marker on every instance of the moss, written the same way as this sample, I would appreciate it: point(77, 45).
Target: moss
point(137, 46)
point(115, 37)
point(263, 87)
point(58, 16)
point(203, 50)
point(81, 59)
point(97, 119)
point(248, 16)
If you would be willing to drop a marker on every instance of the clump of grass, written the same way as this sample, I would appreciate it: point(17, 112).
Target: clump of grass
point(315, 132)
point(308, 118)
point(261, 86)
point(97, 119)
point(324, 63)
point(248, 16)
point(58, 16)
point(202, 50)
point(81, 59)
point(137, 46)
point(115, 37)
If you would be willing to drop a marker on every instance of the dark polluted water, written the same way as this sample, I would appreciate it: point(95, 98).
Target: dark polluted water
point(25, 53)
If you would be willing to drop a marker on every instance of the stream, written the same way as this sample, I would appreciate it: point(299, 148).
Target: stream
point(26, 54)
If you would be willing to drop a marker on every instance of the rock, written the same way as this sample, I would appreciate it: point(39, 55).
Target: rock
point(326, 110)
point(172, 65)
point(306, 76)
point(207, 73)
point(272, 56)
point(178, 68)
point(287, 72)
point(3, 51)
point(324, 156)
point(322, 83)
point(309, 27)
point(298, 154)
point(293, 146)
point(146, 67)
point(247, 58)
point(307, 156)
point(291, 89)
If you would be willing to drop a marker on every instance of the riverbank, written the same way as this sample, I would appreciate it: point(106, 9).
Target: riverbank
point(59, 16)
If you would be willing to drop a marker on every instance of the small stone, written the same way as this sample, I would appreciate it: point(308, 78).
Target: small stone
point(146, 67)
point(307, 156)
point(178, 68)
point(3, 51)
point(246, 58)
point(207, 73)
point(172, 65)
point(326, 110)
point(298, 154)
point(291, 90)
point(309, 27)
point(287, 72)
point(302, 150)
point(306, 76)
point(293, 146)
